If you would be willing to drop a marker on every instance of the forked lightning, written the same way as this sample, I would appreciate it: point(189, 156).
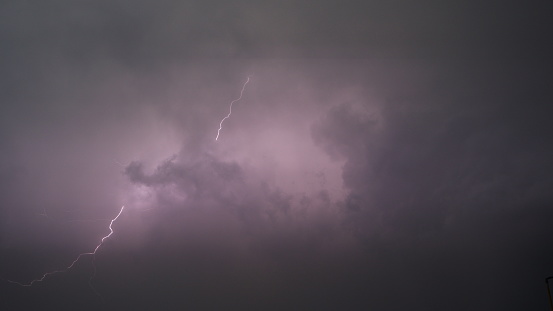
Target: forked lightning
point(93, 254)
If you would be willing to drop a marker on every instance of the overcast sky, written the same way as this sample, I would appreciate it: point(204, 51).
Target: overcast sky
point(385, 155)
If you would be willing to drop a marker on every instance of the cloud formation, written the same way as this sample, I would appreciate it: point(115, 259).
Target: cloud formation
point(384, 155)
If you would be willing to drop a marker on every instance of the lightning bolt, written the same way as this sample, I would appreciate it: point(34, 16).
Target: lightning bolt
point(230, 108)
point(93, 254)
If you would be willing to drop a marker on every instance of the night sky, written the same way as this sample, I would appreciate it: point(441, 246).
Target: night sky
point(385, 155)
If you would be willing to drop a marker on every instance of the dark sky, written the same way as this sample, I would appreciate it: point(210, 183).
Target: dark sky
point(385, 155)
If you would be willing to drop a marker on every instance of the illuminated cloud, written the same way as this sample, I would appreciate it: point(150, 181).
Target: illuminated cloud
point(383, 155)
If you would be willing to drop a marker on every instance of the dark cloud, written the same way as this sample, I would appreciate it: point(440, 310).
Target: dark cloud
point(385, 155)
point(452, 184)
point(140, 32)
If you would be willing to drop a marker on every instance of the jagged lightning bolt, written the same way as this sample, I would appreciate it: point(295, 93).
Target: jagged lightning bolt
point(230, 108)
point(93, 254)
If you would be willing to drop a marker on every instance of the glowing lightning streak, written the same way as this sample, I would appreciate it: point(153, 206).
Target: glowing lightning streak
point(93, 254)
point(230, 109)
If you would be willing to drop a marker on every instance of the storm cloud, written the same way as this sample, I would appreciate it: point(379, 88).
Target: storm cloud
point(383, 156)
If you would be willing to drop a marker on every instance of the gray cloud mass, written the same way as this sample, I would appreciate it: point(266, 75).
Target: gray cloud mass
point(384, 155)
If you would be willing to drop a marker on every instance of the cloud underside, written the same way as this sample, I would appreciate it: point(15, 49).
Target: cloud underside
point(383, 156)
